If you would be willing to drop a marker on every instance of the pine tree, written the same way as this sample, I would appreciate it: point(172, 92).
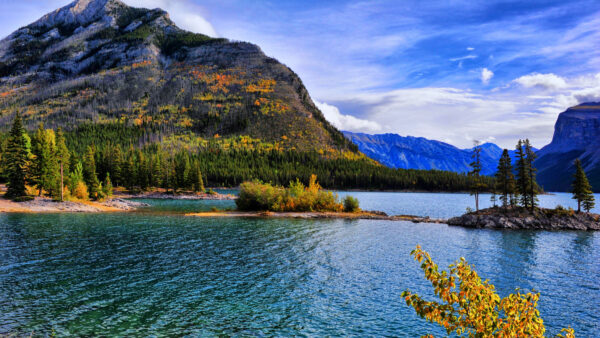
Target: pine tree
point(523, 176)
point(475, 173)
point(589, 203)
point(17, 158)
point(582, 190)
point(505, 179)
point(127, 179)
point(198, 182)
point(107, 187)
point(533, 186)
point(117, 166)
point(44, 169)
point(76, 176)
point(62, 156)
point(90, 176)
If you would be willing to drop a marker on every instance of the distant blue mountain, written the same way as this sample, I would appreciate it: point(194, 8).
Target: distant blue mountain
point(408, 152)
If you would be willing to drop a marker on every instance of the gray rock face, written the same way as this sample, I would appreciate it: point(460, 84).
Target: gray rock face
point(576, 135)
point(80, 12)
point(542, 220)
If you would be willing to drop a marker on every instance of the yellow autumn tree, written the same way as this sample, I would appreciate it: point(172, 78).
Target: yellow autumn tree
point(471, 307)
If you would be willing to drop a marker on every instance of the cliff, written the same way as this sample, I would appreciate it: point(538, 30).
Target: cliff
point(576, 135)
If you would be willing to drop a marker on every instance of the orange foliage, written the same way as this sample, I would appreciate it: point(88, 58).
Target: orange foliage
point(262, 86)
point(141, 64)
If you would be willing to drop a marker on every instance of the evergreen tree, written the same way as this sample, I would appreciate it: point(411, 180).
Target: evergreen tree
point(62, 156)
point(589, 203)
point(505, 179)
point(523, 176)
point(533, 186)
point(141, 171)
point(17, 158)
point(198, 182)
point(44, 169)
point(90, 176)
point(128, 170)
point(478, 186)
point(182, 170)
point(75, 176)
point(582, 190)
point(118, 165)
point(107, 187)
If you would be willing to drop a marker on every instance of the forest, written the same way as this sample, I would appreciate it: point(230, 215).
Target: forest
point(96, 155)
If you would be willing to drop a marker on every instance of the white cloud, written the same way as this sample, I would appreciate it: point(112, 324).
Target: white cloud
point(346, 122)
point(546, 81)
point(470, 48)
point(184, 13)
point(486, 76)
point(466, 57)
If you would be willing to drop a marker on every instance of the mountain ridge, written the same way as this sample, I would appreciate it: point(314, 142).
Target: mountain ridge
point(409, 152)
point(101, 61)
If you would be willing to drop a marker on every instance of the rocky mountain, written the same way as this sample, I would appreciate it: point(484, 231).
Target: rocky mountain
point(576, 135)
point(103, 62)
point(409, 152)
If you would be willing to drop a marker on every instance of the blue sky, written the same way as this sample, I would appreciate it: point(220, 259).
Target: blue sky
point(448, 70)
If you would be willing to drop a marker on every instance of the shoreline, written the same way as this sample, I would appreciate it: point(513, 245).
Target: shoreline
point(119, 202)
point(47, 205)
point(368, 215)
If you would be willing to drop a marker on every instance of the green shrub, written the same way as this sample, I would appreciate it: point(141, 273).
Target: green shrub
point(351, 204)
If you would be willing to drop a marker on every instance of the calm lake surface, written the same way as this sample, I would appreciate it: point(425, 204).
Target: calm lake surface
point(157, 272)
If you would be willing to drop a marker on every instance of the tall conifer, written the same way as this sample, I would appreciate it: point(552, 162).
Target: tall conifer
point(475, 172)
point(90, 175)
point(523, 176)
point(17, 158)
point(582, 190)
point(62, 156)
point(505, 179)
point(533, 188)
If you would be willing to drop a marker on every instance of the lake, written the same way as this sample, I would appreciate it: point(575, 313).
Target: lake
point(157, 272)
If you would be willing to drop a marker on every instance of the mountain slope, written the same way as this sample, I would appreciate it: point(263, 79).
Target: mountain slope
point(576, 135)
point(409, 152)
point(100, 61)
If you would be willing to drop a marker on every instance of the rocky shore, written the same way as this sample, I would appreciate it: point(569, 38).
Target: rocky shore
point(43, 204)
point(518, 218)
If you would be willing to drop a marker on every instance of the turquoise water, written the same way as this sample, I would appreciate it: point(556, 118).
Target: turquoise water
point(155, 273)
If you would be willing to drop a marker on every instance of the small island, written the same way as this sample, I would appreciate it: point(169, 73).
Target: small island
point(522, 218)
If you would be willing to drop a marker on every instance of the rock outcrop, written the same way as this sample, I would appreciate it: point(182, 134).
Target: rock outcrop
point(541, 219)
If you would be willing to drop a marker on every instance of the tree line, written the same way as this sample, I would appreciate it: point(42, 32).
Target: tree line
point(45, 163)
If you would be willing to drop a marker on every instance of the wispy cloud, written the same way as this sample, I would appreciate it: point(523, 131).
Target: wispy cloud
point(466, 57)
